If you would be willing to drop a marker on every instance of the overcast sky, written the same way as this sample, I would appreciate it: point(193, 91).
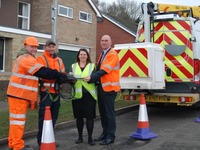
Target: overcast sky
point(180, 2)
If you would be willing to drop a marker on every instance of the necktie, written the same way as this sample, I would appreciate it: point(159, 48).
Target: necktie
point(102, 56)
point(98, 65)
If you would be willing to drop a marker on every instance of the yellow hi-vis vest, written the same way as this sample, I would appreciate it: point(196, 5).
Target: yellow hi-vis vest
point(78, 73)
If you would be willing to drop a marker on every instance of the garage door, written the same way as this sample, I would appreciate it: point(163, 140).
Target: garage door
point(68, 57)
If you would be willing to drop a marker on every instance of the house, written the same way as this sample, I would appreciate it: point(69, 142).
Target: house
point(76, 25)
point(121, 31)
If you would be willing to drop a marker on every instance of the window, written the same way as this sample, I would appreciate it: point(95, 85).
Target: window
point(65, 11)
point(2, 57)
point(83, 16)
point(24, 16)
point(40, 47)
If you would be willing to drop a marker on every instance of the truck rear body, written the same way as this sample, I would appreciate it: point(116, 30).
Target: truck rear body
point(180, 39)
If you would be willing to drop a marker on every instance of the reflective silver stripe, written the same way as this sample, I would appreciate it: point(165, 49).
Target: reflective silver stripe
point(91, 69)
point(73, 68)
point(107, 66)
point(106, 84)
point(16, 122)
point(24, 76)
point(17, 115)
point(78, 90)
point(109, 83)
point(93, 91)
point(23, 86)
point(61, 64)
point(117, 67)
point(63, 70)
point(77, 76)
point(35, 67)
point(115, 83)
point(17, 63)
point(49, 84)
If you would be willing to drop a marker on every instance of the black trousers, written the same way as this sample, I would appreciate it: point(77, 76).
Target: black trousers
point(106, 101)
point(54, 107)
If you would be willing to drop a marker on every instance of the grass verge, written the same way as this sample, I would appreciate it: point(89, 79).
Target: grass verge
point(65, 114)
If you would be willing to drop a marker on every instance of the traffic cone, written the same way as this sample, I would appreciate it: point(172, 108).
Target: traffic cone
point(143, 131)
point(48, 139)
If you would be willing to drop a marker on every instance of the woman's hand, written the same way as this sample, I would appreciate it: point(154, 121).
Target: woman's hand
point(87, 79)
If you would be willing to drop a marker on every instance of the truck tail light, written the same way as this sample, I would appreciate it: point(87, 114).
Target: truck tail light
point(185, 99)
point(129, 97)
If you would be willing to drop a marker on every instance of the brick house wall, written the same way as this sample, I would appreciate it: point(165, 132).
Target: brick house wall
point(118, 35)
point(69, 30)
point(8, 9)
point(13, 44)
point(76, 32)
point(41, 16)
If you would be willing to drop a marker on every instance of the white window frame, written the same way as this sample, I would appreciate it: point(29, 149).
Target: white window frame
point(26, 6)
point(68, 13)
point(88, 15)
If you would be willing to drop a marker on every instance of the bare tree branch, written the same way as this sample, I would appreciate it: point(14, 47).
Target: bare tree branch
point(124, 9)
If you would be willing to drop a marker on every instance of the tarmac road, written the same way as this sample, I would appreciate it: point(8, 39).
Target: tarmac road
point(174, 126)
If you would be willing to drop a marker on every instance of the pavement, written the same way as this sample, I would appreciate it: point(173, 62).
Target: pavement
point(66, 133)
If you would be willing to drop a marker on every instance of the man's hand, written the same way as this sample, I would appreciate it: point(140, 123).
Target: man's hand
point(62, 78)
point(71, 79)
point(87, 79)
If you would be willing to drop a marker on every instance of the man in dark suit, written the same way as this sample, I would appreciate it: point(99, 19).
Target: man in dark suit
point(107, 75)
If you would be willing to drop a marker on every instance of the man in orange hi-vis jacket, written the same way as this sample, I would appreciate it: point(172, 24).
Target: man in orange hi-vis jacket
point(49, 96)
point(23, 90)
point(107, 73)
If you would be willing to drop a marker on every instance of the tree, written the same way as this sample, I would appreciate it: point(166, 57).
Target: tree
point(125, 9)
point(96, 3)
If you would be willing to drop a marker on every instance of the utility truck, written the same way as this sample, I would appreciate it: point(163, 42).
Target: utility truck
point(164, 62)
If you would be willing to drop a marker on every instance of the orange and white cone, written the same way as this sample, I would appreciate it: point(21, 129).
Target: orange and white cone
point(48, 139)
point(143, 131)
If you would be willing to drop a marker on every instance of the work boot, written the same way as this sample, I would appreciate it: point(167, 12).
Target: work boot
point(91, 142)
point(79, 140)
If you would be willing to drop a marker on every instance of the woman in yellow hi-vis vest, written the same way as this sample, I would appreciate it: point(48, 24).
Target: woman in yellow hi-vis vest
point(84, 104)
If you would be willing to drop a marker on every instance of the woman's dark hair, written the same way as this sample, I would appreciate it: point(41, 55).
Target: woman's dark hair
point(88, 56)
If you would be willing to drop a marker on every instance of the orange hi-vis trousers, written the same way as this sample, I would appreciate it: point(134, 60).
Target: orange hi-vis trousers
point(18, 109)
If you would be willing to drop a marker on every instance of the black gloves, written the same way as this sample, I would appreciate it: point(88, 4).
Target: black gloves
point(66, 78)
point(71, 79)
point(62, 78)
